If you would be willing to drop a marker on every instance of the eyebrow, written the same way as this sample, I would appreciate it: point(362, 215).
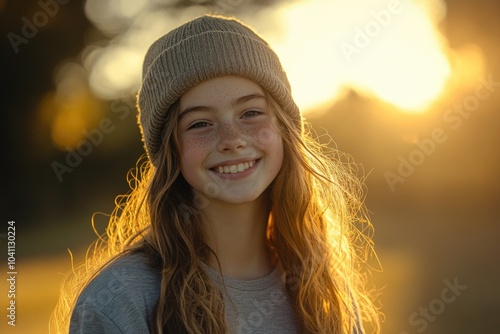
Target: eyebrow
point(236, 102)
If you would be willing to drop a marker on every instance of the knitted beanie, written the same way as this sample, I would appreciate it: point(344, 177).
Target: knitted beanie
point(202, 49)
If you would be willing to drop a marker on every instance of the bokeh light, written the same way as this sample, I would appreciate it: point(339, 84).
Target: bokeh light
point(71, 109)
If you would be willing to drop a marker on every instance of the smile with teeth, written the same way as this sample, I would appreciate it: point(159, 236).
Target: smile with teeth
point(233, 169)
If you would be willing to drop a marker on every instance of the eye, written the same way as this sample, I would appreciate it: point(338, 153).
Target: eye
point(198, 125)
point(251, 113)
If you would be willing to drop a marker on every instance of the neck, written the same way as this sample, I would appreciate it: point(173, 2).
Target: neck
point(237, 234)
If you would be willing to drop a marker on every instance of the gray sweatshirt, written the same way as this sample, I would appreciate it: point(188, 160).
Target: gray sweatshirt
point(122, 299)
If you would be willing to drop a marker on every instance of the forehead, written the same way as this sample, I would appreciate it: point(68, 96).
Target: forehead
point(219, 91)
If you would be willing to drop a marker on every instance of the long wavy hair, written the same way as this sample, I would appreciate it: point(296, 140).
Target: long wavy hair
point(318, 229)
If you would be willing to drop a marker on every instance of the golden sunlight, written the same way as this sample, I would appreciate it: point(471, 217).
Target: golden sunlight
point(388, 49)
point(71, 109)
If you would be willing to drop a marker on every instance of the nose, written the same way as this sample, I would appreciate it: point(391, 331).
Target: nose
point(230, 138)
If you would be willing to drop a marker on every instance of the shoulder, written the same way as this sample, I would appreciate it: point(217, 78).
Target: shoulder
point(123, 294)
point(127, 277)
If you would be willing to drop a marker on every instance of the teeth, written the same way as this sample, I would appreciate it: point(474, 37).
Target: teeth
point(233, 169)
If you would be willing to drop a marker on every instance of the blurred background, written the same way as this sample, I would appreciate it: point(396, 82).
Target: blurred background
point(411, 89)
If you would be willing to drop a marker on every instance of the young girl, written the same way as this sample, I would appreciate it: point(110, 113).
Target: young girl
point(238, 222)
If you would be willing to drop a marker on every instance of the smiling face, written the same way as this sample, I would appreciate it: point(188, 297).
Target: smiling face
point(230, 147)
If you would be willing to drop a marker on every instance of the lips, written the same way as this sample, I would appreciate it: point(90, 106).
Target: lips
point(234, 168)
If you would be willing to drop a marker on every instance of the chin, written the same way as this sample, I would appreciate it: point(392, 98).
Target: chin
point(238, 198)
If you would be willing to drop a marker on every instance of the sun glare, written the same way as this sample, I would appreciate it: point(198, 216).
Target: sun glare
point(391, 50)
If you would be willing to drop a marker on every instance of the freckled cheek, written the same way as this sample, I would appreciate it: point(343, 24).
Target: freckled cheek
point(194, 150)
point(264, 135)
